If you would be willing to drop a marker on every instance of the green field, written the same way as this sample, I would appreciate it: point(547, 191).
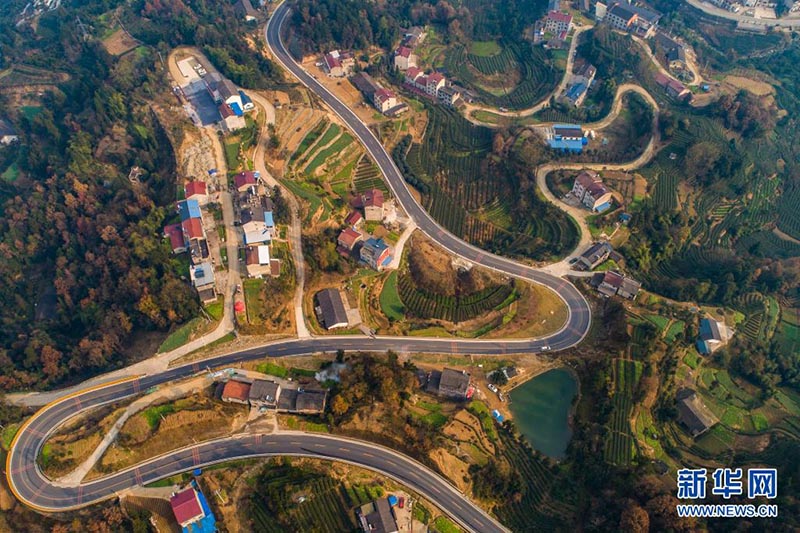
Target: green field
point(484, 48)
point(391, 305)
point(442, 524)
point(180, 336)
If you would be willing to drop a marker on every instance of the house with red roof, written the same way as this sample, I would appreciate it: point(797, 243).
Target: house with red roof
point(192, 511)
point(354, 219)
point(174, 233)
point(236, 392)
point(244, 180)
point(372, 201)
point(412, 74)
point(339, 64)
point(434, 82)
point(196, 190)
point(348, 238)
point(384, 100)
point(404, 58)
point(557, 22)
point(193, 229)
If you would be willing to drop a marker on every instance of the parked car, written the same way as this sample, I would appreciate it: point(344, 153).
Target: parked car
point(492, 388)
point(401, 502)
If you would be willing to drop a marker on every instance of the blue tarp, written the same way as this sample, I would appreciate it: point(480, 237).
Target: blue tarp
point(268, 220)
point(602, 207)
point(189, 209)
point(702, 347)
point(236, 109)
point(497, 416)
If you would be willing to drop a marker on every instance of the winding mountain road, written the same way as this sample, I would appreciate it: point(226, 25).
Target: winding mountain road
point(31, 487)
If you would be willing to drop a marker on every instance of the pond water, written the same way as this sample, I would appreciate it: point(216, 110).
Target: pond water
point(541, 408)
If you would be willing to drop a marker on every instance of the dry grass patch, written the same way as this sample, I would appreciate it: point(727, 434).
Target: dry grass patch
point(169, 426)
point(758, 88)
point(75, 441)
point(119, 43)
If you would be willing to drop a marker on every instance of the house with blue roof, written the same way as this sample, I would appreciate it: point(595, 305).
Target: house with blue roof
point(247, 102)
point(376, 253)
point(567, 138)
point(576, 94)
point(713, 335)
point(189, 209)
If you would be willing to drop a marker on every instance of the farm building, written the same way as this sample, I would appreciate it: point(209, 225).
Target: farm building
point(594, 256)
point(192, 511)
point(450, 383)
point(236, 392)
point(354, 219)
point(693, 413)
point(377, 517)
point(365, 84)
point(330, 309)
point(713, 335)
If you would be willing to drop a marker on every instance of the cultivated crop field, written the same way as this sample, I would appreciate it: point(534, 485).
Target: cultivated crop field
point(619, 446)
point(532, 66)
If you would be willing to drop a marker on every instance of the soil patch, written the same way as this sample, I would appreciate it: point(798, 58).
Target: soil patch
point(758, 88)
point(120, 42)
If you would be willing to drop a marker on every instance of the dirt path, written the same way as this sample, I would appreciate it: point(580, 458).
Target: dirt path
point(295, 228)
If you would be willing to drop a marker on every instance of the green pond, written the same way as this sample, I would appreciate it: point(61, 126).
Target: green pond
point(541, 410)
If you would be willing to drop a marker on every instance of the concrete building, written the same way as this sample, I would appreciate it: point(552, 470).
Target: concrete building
point(330, 309)
point(384, 100)
point(620, 17)
point(197, 191)
point(348, 238)
point(594, 256)
point(434, 82)
point(257, 261)
point(448, 96)
point(191, 511)
point(264, 393)
point(376, 253)
point(450, 383)
point(236, 392)
point(556, 22)
point(202, 277)
point(339, 64)
point(372, 202)
point(377, 517)
point(405, 58)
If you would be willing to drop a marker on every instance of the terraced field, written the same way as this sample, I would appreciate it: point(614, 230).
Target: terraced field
point(619, 446)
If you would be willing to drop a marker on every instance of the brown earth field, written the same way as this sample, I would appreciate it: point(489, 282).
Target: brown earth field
point(119, 43)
